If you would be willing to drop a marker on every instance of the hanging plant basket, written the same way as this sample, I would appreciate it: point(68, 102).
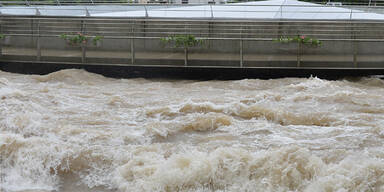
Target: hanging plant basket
point(75, 40)
point(81, 40)
point(292, 44)
point(182, 41)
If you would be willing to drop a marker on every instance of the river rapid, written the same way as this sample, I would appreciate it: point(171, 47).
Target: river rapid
point(77, 131)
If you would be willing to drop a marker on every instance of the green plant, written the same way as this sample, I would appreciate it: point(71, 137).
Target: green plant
point(80, 38)
point(300, 39)
point(75, 39)
point(183, 41)
point(97, 39)
point(2, 36)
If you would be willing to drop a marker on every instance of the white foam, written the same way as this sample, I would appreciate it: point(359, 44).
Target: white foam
point(292, 134)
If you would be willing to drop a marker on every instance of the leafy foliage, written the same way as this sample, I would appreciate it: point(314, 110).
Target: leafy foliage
point(184, 41)
point(80, 38)
point(75, 39)
point(300, 39)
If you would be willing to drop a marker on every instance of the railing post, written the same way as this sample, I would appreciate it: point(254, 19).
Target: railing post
point(354, 53)
point(241, 53)
point(354, 44)
point(87, 14)
point(211, 12)
point(298, 54)
point(146, 11)
point(132, 51)
point(38, 13)
point(83, 47)
point(186, 56)
point(83, 53)
point(132, 47)
point(38, 45)
point(281, 11)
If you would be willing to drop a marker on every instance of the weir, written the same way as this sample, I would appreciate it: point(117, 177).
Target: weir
point(232, 48)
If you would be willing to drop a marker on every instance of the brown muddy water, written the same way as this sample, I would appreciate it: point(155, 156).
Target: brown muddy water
point(77, 131)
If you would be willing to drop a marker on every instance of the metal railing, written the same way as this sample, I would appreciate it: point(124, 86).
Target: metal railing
point(242, 39)
point(203, 28)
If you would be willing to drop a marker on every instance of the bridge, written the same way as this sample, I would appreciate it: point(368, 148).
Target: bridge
point(231, 48)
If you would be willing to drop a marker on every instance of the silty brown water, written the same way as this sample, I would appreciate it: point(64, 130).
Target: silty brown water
point(77, 131)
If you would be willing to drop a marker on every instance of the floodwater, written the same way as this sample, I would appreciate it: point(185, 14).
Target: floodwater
point(77, 131)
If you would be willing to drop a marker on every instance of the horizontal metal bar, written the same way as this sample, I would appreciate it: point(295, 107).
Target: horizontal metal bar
point(245, 27)
point(106, 29)
point(260, 30)
point(202, 34)
point(59, 24)
point(192, 20)
point(203, 38)
point(191, 66)
point(44, 29)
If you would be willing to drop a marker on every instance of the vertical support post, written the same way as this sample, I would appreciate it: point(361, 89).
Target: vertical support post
point(38, 45)
point(281, 8)
point(281, 11)
point(32, 31)
point(186, 56)
point(132, 51)
point(83, 47)
point(210, 31)
point(83, 53)
point(241, 53)
point(241, 47)
point(354, 44)
point(37, 13)
point(87, 14)
point(132, 46)
point(146, 11)
point(355, 53)
point(298, 54)
point(211, 11)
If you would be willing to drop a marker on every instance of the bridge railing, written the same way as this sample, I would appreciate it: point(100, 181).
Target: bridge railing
point(227, 43)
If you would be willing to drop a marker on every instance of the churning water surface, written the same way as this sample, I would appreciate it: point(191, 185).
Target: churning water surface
point(76, 131)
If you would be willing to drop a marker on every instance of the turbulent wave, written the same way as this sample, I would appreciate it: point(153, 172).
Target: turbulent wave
point(235, 169)
point(76, 131)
